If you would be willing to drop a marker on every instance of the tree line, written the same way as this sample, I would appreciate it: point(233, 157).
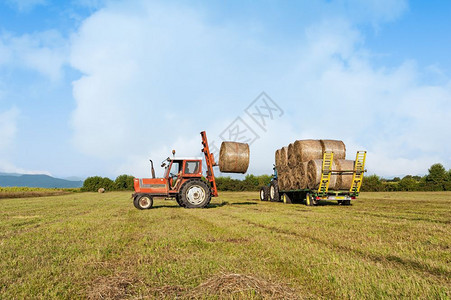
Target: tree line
point(125, 182)
point(249, 183)
point(121, 183)
point(437, 179)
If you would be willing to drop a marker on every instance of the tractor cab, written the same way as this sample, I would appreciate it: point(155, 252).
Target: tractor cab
point(181, 169)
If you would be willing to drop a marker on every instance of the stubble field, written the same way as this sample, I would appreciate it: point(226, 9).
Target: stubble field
point(89, 245)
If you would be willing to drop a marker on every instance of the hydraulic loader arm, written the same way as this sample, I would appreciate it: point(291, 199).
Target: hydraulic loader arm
point(210, 162)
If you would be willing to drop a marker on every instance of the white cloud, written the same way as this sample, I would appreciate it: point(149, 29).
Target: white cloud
point(8, 133)
point(43, 52)
point(151, 63)
point(156, 75)
point(8, 127)
point(8, 167)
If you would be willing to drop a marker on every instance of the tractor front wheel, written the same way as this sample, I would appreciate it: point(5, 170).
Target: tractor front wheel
point(143, 201)
point(195, 194)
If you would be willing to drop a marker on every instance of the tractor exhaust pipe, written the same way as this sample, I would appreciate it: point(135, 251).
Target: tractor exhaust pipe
point(152, 169)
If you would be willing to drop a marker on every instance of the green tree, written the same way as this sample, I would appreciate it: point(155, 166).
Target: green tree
point(264, 180)
point(251, 182)
point(124, 182)
point(437, 178)
point(448, 181)
point(92, 184)
point(228, 184)
point(408, 183)
point(372, 183)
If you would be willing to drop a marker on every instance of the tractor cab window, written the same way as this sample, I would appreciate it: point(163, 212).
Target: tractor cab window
point(173, 169)
point(174, 173)
point(191, 167)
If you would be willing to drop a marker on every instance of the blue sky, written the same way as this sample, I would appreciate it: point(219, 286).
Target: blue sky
point(97, 87)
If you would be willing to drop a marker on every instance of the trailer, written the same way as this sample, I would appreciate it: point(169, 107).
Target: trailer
point(311, 197)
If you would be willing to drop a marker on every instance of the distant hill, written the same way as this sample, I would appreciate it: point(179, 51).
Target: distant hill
point(38, 180)
point(9, 174)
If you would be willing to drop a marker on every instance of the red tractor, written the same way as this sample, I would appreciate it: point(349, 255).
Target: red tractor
point(182, 180)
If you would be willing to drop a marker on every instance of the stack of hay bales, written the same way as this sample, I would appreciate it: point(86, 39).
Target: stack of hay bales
point(299, 165)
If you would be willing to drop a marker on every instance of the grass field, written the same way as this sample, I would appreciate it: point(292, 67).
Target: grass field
point(23, 192)
point(89, 245)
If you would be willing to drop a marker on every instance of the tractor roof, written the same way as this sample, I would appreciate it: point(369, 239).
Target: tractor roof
point(185, 158)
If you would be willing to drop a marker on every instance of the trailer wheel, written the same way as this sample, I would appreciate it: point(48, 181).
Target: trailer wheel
point(274, 191)
point(143, 201)
point(286, 199)
point(264, 190)
point(309, 200)
point(195, 194)
point(346, 202)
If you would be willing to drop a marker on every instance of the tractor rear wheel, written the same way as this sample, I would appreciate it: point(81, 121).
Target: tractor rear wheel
point(274, 191)
point(143, 201)
point(264, 190)
point(195, 194)
point(179, 201)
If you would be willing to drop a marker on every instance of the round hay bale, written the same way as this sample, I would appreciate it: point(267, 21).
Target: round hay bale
point(314, 168)
point(293, 179)
point(298, 176)
point(291, 155)
point(346, 179)
point(101, 190)
point(233, 157)
point(337, 147)
point(281, 176)
point(313, 173)
point(282, 182)
point(289, 179)
point(284, 156)
point(277, 158)
point(303, 169)
point(284, 178)
point(306, 150)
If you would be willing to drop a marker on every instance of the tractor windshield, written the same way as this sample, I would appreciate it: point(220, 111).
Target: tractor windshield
point(173, 169)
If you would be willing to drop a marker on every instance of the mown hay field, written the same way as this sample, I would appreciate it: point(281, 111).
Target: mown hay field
point(98, 246)
point(23, 192)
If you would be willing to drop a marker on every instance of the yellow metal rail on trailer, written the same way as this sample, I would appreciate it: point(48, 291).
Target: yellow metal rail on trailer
point(359, 169)
point(357, 173)
point(326, 172)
